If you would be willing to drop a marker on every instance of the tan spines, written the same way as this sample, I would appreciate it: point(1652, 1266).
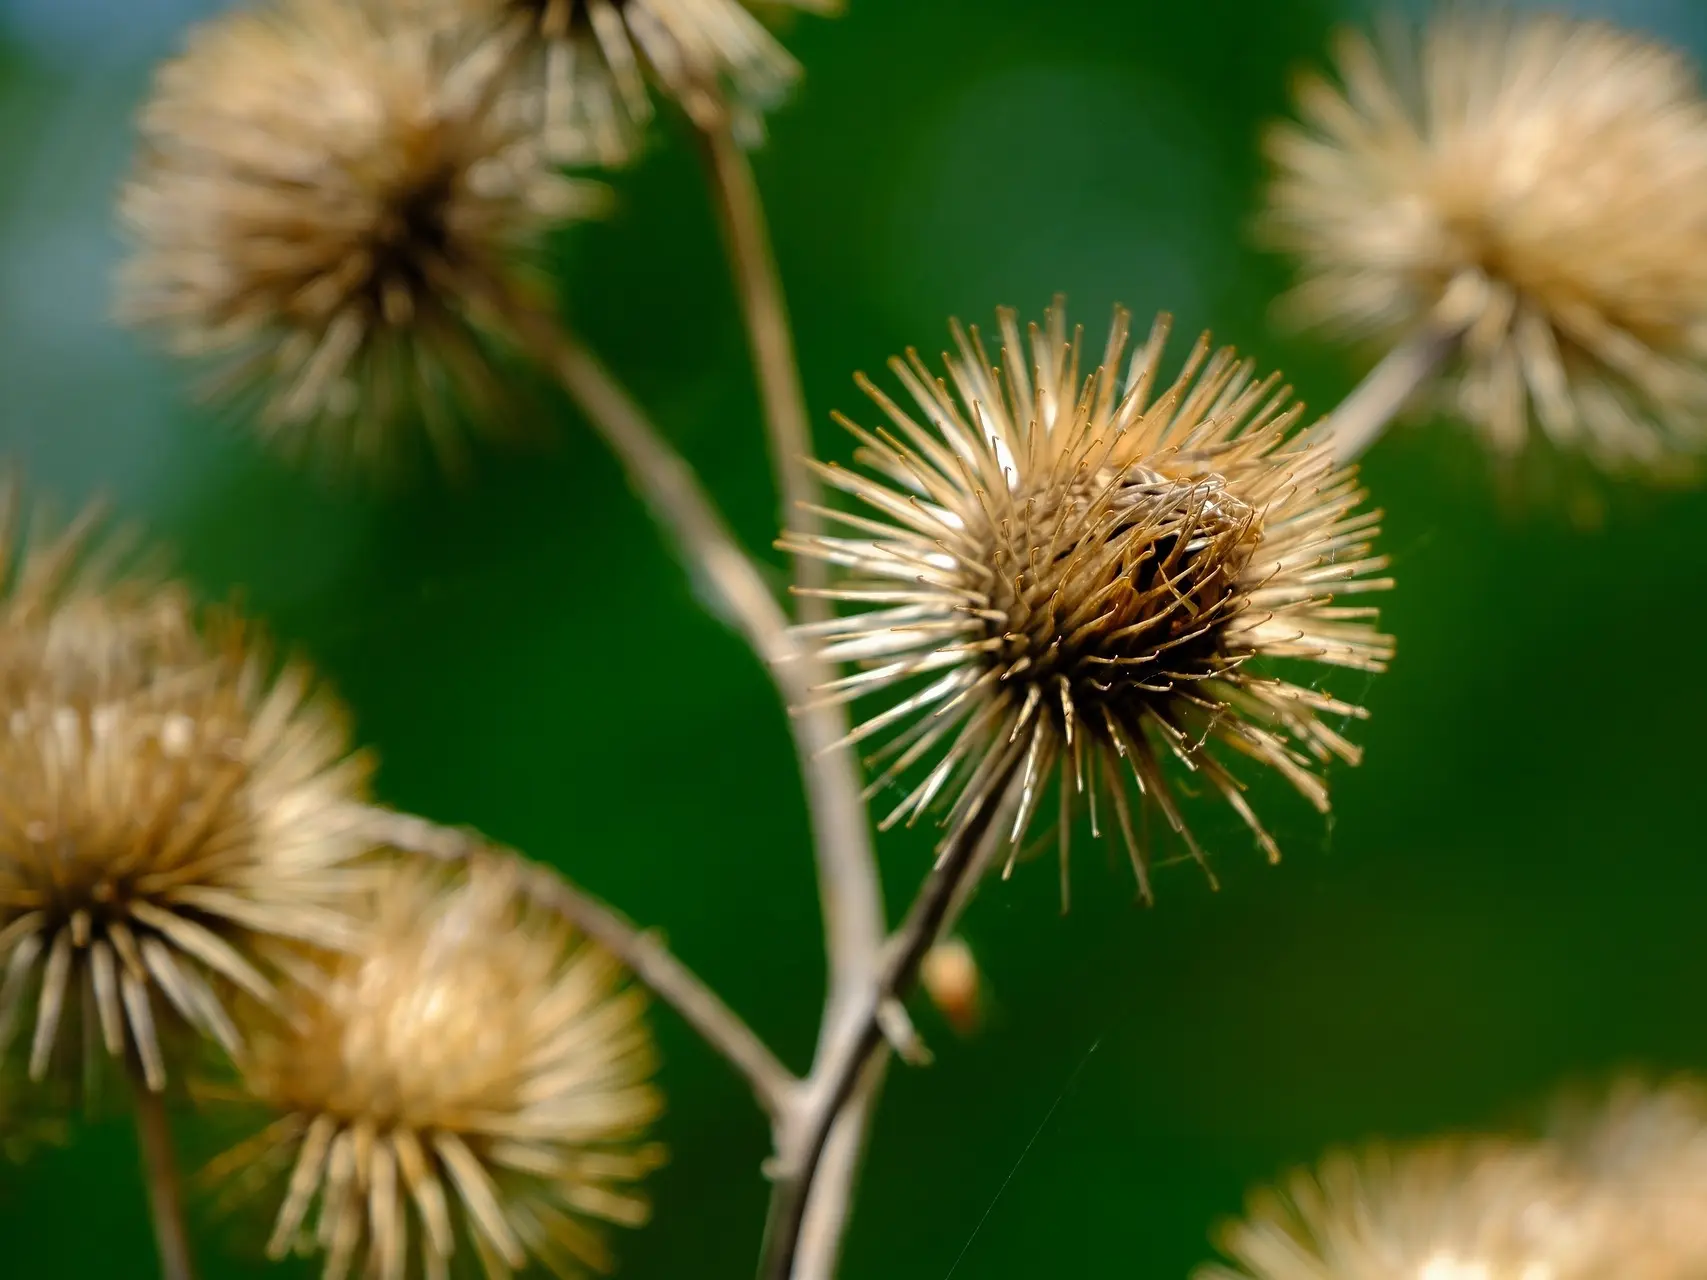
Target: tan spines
point(1080, 568)
point(1532, 183)
point(470, 1080)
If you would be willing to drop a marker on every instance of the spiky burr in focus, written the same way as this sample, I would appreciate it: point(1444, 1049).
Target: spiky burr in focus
point(476, 1077)
point(328, 199)
point(1446, 1210)
point(1081, 579)
point(1533, 184)
point(588, 64)
point(164, 803)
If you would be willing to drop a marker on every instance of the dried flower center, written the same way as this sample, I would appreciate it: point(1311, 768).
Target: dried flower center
point(424, 1031)
point(1118, 594)
point(410, 236)
point(118, 808)
point(420, 1043)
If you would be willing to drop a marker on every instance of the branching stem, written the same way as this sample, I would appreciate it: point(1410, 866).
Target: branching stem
point(847, 869)
point(836, 1078)
point(854, 893)
point(849, 889)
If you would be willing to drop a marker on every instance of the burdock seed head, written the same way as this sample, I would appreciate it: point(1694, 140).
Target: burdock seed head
point(1639, 1151)
point(329, 197)
point(1539, 184)
point(473, 1080)
point(1445, 1210)
point(165, 803)
point(588, 64)
point(1083, 580)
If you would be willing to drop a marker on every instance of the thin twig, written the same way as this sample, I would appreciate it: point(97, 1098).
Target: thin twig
point(752, 262)
point(841, 830)
point(836, 1078)
point(1372, 405)
point(160, 1171)
point(643, 951)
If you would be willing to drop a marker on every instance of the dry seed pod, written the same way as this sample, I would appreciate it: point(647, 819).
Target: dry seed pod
point(475, 1079)
point(1537, 182)
point(587, 64)
point(1446, 1210)
point(329, 196)
point(1056, 578)
point(165, 803)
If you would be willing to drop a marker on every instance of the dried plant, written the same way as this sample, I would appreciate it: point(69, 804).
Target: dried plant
point(1533, 188)
point(472, 1061)
point(164, 801)
point(1613, 1189)
point(1068, 572)
point(1449, 1210)
point(1081, 579)
point(328, 197)
point(1640, 1152)
point(589, 65)
point(153, 829)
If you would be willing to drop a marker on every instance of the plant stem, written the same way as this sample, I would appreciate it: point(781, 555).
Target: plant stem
point(643, 951)
point(160, 1172)
point(850, 893)
point(851, 897)
point(835, 1079)
point(752, 262)
point(829, 1204)
point(1366, 413)
point(764, 308)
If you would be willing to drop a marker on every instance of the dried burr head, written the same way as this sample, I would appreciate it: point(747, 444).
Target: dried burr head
point(1533, 184)
point(1082, 581)
point(473, 1081)
point(333, 204)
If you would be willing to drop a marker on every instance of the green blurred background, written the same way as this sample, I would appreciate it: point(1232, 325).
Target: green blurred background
point(1508, 896)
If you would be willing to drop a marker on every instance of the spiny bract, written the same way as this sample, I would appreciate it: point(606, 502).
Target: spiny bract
point(588, 63)
point(335, 203)
point(1640, 1153)
point(1535, 183)
point(473, 1073)
point(1075, 578)
point(165, 802)
point(1448, 1210)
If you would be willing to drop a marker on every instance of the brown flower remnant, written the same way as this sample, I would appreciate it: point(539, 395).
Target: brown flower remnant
point(164, 804)
point(588, 63)
point(474, 1061)
point(1539, 184)
point(1446, 1210)
point(328, 198)
point(1081, 578)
